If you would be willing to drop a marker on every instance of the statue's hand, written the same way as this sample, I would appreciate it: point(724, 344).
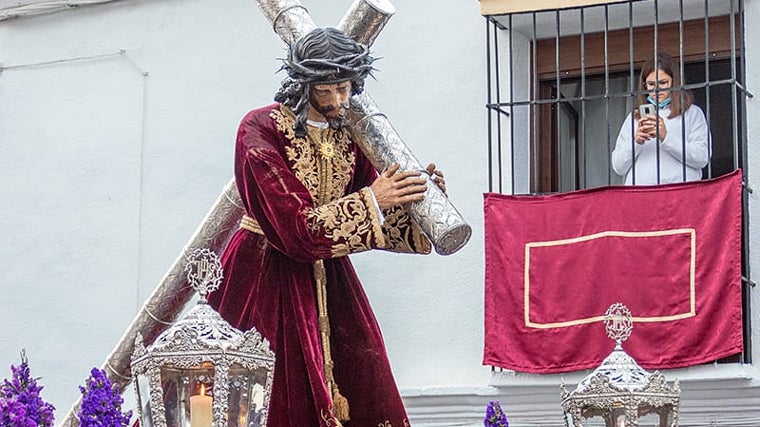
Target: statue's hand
point(437, 177)
point(396, 188)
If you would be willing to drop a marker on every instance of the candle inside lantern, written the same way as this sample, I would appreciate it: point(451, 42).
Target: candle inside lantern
point(200, 409)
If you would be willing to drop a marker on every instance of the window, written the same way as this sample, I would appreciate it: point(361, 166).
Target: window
point(562, 82)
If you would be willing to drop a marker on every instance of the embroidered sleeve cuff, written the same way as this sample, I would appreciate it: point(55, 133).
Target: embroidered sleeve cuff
point(379, 211)
point(350, 222)
point(403, 234)
point(376, 216)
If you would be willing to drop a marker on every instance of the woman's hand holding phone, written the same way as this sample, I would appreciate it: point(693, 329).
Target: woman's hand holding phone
point(648, 125)
point(645, 130)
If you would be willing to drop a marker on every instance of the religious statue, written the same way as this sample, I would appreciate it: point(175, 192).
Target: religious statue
point(311, 197)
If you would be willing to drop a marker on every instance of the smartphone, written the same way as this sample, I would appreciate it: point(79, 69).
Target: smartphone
point(646, 110)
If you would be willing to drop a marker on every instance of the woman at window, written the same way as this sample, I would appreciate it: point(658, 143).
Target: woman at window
point(671, 143)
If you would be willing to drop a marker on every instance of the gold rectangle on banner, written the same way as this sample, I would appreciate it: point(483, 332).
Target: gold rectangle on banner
point(690, 293)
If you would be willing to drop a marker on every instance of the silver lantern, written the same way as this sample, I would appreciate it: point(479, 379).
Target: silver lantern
point(619, 391)
point(202, 372)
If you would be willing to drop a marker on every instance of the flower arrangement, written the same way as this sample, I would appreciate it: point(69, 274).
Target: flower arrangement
point(20, 402)
point(495, 416)
point(101, 403)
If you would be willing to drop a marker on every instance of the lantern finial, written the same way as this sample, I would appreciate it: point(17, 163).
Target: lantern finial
point(204, 272)
point(618, 322)
point(619, 390)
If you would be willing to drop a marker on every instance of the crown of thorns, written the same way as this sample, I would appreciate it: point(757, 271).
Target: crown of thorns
point(351, 66)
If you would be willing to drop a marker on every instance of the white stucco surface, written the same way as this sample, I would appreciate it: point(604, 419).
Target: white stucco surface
point(108, 165)
point(752, 39)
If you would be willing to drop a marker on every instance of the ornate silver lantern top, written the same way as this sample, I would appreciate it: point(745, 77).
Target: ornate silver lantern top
point(619, 390)
point(203, 351)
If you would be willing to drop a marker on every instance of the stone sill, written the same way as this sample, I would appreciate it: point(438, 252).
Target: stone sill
point(711, 395)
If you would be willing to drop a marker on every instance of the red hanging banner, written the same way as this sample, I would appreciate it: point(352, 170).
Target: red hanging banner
point(555, 263)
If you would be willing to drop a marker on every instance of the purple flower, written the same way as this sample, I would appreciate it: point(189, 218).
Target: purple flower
point(495, 417)
point(20, 401)
point(101, 403)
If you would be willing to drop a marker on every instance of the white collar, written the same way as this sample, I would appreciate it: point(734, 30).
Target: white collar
point(316, 124)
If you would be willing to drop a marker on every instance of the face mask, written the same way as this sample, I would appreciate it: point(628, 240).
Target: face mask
point(661, 105)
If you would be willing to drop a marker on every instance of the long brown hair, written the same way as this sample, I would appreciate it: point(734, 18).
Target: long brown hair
point(680, 100)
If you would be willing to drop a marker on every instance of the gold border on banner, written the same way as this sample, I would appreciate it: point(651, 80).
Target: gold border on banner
point(633, 234)
point(502, 7)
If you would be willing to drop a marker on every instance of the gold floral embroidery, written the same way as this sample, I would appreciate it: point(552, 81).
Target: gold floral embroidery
point(402, 234)
point(346, 222)
point(322, 161)
point(329, 419)
point(388, 424)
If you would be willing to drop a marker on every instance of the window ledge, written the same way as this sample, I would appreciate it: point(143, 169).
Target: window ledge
point(718, 394)
point(713, 372)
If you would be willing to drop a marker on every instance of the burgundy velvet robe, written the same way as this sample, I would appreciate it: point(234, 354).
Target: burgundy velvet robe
point(310, 207)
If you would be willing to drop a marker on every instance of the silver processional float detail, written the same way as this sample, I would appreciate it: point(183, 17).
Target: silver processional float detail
point(437, 217)
point(202, 371)
point(619, 391)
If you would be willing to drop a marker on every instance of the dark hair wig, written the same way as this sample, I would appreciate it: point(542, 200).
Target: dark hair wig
point(323, 56)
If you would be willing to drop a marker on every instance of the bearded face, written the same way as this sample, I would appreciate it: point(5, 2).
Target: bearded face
point(329, 103)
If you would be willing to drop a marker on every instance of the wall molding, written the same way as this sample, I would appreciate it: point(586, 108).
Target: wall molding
point(711, 395)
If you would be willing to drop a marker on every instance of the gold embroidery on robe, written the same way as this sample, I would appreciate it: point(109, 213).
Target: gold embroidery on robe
point(347, 220)
point(402, 234)
point(330, 420)
point(377, 228)
point(388, 424)
point(325, 176)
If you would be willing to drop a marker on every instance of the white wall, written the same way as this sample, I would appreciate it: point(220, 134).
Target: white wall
point(752, 39)
point(518, 126)
point(109, 164)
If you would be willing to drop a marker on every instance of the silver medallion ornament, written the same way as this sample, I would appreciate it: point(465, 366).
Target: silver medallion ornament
point(202, 372)
point(204, 271)
point(618, 322)
point(619, 391)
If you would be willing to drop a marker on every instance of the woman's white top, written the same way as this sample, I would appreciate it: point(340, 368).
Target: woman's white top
point(686, 134)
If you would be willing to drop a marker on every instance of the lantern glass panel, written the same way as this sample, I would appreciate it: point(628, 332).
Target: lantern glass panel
point(650, 420)
point(143, 399)
point(662, 418)
point(246, 396)
point(617, 416)
point(179, 385)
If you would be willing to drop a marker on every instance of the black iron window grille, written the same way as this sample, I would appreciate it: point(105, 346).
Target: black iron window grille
point(562, 82)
